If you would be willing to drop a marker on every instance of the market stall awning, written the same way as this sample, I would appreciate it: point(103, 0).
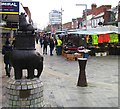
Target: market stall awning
point(91, 32)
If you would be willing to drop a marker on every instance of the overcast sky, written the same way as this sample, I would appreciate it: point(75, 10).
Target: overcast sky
point(40, 8)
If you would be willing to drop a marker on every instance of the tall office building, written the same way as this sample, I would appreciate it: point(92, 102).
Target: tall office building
point(55, 17)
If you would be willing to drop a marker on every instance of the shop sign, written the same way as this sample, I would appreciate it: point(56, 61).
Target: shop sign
point(9, 8)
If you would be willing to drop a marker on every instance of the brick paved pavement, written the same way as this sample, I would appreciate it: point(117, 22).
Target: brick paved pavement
point(60, 78)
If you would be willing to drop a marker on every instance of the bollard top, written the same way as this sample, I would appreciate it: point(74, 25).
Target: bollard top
point(82, 59)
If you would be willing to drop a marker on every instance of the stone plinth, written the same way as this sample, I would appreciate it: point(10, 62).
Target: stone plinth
point(24, 93)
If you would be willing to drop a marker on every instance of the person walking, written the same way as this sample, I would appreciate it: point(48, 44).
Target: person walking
point(37, 38)
point(45, 43)
point(41, 41)
point(6, 50)
point(59, 46)
point(52, 45)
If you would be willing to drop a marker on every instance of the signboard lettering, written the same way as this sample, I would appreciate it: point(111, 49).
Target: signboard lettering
point(9, 8)
point(9, 4)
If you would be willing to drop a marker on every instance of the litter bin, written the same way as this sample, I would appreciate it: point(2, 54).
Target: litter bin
point(82, 74)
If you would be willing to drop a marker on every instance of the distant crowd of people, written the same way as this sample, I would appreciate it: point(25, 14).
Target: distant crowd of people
point(55, 43)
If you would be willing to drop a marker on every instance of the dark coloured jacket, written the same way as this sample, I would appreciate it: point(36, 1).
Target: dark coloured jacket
point(6, 51)
point(51, 42)
point(45, 41)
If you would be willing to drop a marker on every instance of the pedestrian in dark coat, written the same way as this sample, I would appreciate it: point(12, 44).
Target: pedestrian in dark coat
point(37, 38)
point(45, 43)
point(41, 41)
point(52, 45)
point(6, 50)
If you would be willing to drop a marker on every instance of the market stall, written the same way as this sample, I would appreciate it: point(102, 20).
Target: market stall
point(100, 43)
point(73, 43)
point(103, 43)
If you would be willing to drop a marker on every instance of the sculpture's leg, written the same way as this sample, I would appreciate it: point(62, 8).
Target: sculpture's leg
point(30, 73)
point(40, 69)
point(39, 73)
point(7, 70)
point(18, 72)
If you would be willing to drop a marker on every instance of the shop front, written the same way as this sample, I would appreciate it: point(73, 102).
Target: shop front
point(10, 19)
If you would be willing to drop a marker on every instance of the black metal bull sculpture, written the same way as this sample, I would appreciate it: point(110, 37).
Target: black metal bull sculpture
point(24, 55)
point(30, 60)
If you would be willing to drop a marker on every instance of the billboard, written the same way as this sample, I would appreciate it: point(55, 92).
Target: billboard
point(9, 7)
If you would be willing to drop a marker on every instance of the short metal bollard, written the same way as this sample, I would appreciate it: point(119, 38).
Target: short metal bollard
point(82, 74)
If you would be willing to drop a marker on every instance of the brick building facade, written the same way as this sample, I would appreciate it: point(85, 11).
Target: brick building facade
point(96, 16)
point(67, 25)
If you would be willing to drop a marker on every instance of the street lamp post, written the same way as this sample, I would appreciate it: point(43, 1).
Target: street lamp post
point(119, 17)
point(85, 12)
point(61, 18)
point(118, 11)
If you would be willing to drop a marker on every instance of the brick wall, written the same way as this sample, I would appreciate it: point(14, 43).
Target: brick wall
point(101, 9)
point(67, 25)
point(106, 17)
point(75, 24)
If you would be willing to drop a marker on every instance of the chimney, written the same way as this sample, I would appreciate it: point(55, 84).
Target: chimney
point(106, 17)
point(93, 6)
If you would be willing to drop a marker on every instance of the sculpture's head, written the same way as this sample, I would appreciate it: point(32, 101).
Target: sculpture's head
point(22, 20)
point(23, 24)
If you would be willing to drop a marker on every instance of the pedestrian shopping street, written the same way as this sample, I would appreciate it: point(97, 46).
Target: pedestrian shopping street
point(60, 77)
